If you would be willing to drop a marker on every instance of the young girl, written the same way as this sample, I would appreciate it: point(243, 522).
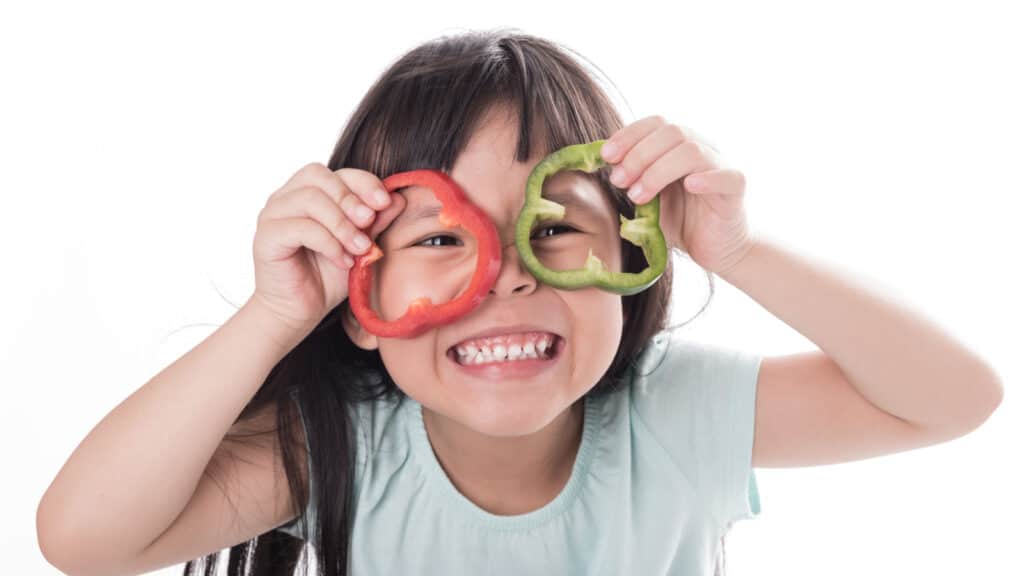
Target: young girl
point(602, 445)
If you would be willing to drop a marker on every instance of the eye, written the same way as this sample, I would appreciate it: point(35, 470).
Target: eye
point(439, 240)
point(550, 230)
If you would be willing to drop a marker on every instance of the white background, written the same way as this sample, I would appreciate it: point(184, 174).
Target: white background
point(138, 143)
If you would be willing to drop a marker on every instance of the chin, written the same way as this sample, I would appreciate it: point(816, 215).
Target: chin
point(502, 420)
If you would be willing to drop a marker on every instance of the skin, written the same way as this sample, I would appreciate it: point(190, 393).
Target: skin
point(508, 446)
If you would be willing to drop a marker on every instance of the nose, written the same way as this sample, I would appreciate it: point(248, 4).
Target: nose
point(513, 278)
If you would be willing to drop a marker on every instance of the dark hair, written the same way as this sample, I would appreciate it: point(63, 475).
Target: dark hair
point(420, 113)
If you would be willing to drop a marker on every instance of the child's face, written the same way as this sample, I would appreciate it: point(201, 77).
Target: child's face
point(497, 399)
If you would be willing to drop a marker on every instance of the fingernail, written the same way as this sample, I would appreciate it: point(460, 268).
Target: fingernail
point(635, 192)
point(361, 242)
point(382, 197)
point(362, 212)
point(349, 261)
point(618, 175)
point(609, 150)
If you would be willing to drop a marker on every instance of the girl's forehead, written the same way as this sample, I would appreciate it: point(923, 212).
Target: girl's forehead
point(482, 190)
point(487, 171)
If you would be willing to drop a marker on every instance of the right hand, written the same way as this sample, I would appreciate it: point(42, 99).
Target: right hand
point(305, 240)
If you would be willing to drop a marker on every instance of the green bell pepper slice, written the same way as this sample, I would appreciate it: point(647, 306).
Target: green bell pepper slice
point(643, 230)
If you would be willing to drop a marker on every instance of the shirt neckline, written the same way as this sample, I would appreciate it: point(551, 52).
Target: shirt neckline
point(467, 509)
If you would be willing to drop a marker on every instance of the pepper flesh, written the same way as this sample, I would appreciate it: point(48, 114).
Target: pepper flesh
point(422, 314)
point(643, 230)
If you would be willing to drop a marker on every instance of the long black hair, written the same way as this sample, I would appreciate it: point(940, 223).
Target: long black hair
point(420, 113)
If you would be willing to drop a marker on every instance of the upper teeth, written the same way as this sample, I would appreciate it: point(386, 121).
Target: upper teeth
point(507, 347)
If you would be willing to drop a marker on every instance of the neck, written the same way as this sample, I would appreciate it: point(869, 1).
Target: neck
point(508, 476)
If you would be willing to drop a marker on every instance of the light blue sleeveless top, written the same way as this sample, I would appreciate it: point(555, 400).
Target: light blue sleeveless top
point(662, 472)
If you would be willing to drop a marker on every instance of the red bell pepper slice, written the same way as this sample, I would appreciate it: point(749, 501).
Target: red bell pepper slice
point(422, 314)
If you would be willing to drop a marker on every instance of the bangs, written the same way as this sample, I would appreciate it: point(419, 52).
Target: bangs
point(435, 98)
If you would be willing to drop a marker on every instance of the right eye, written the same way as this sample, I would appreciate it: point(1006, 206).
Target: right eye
point(439, 240)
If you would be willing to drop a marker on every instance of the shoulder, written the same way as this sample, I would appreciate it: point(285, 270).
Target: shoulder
point(698, 400)
point(377, 421)
point(670, 357)
point(673, 373)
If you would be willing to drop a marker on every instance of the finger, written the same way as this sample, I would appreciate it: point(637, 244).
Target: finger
point(367, 186)
point(388, 215)
point(619, 143)
point(317, 175)
point(358, 212)
point(299, 202)
point(294, 233)
point(682, 159)
point(655, 145)
point(338, 184)
point(313, 203)
point(349, 187)
point(718, 181)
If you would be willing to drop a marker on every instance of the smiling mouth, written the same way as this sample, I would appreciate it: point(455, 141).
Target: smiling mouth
point(507, 349)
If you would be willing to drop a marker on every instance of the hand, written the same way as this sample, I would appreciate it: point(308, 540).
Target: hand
point(701, 201)
point(307, 236)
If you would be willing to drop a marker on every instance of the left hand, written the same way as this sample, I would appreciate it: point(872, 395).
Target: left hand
point(701, 200)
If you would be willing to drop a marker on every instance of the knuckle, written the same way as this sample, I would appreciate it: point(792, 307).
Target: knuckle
point(308, 194)
point(625, 170)
point(277, 194)
point(264, 215)
point(648, 181)
point(351, 172)
point(631, 165)
point(676, 131)
point(740, 178)
point(351, 179)
point(651, 182)
point(347, 203)
point(342, 226)
point(313, 168)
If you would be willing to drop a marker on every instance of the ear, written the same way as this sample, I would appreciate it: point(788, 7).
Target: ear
point(355, 331)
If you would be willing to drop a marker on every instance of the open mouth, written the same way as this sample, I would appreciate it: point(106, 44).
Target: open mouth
point(507, 349)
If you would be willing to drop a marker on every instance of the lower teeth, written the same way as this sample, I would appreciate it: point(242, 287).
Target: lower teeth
point(467, 361)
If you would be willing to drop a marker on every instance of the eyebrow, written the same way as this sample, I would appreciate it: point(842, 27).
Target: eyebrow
point(415, 214)
point(570, 199)
point(564, 196)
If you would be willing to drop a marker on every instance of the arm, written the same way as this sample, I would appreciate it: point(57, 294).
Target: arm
point(136, 471)
point(886, 379)
point(899, 362)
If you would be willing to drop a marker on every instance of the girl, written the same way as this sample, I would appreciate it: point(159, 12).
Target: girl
point(617, 450)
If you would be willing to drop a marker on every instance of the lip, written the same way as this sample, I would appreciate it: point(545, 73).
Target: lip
point(502, 330)
point(516, 369)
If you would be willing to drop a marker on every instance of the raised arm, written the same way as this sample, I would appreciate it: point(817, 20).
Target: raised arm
point(133, 496)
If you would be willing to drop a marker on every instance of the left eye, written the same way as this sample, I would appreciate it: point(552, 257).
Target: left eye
point(440, 240)
point(552, 230)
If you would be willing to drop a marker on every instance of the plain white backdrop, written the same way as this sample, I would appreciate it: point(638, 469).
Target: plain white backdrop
point(139, 142)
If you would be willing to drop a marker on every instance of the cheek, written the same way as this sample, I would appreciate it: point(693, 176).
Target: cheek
point(393, 288)
point(598, 327)
point(401, 279)
point(406, 359)
point(397, 283)
point(611, 246)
